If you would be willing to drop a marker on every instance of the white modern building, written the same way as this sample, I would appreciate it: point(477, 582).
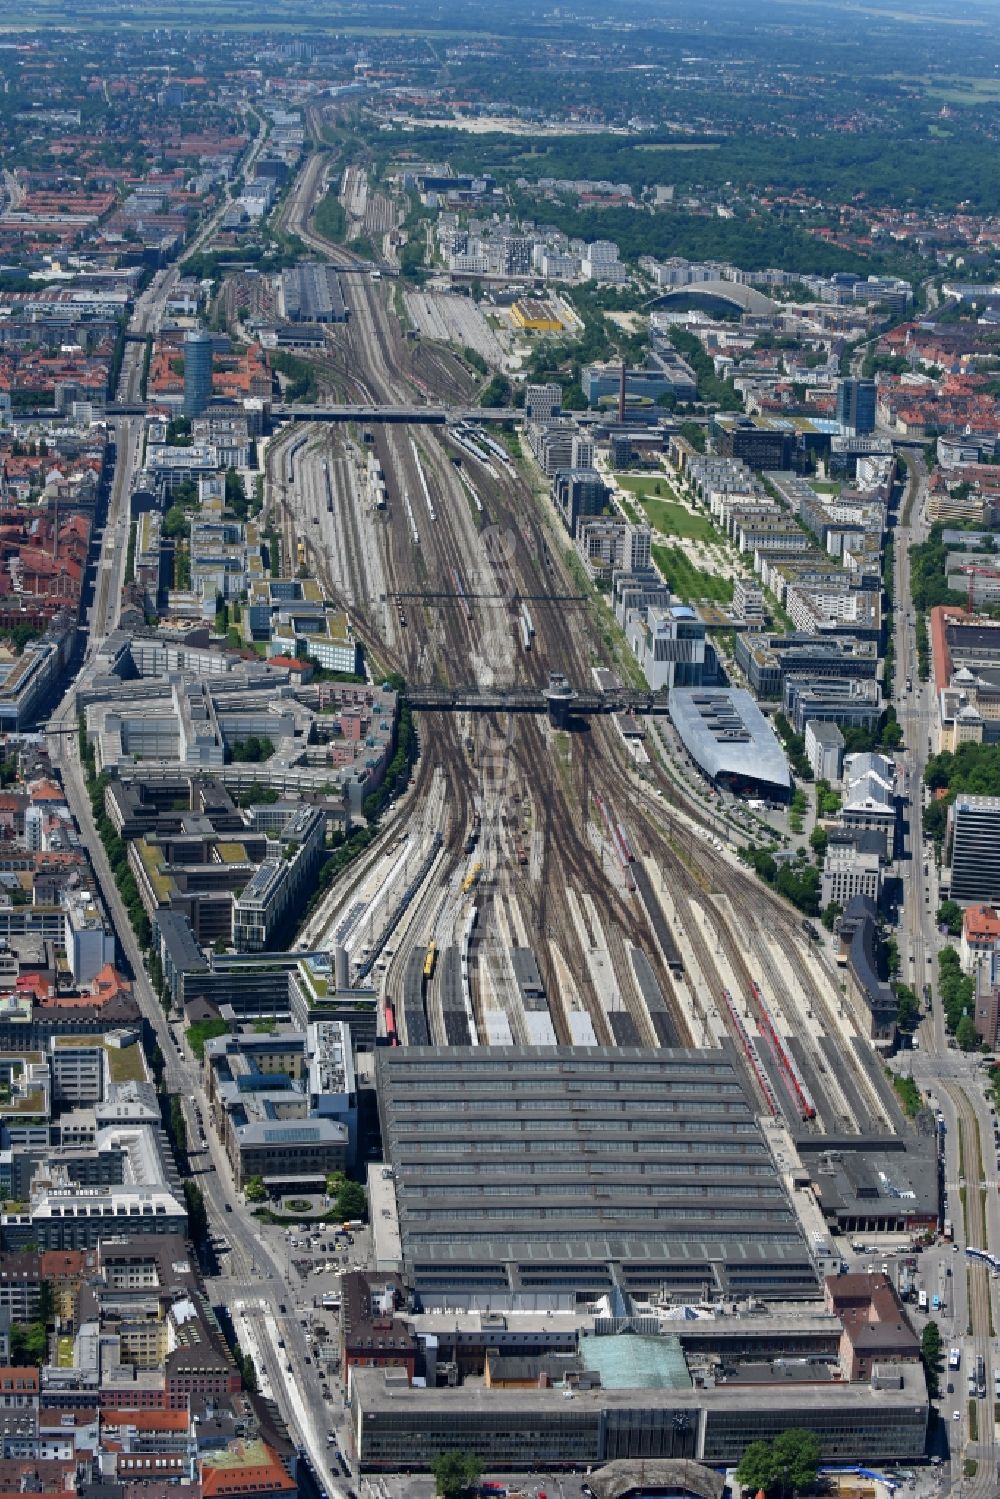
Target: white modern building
point(601, 263)
point(669, 644)
point(824, 749)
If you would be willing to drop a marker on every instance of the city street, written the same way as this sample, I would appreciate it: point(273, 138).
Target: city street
point(952, 1083)
point(251, 1262)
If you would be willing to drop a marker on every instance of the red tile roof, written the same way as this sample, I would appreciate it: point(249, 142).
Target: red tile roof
point(61, 1264)
point(47, 791)
point(145, 1420)
point(982, 924)
point(109, 984)
point(224, 1478)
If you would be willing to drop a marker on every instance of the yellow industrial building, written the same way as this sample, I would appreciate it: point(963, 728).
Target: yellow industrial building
point(535, 316)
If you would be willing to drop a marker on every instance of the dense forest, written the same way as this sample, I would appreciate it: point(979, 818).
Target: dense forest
point(901, 162)
point(752, 241)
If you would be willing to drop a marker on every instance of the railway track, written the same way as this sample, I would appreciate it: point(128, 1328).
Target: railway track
point(741, 936)
point(833, 1105)
point(318, 928)
point(567, 846)
point(517, 571)
point(448, 541)
point(527, 563)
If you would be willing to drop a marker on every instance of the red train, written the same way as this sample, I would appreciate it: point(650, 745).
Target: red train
point(789, 1067)
point(749, 1048)
point(619, 840)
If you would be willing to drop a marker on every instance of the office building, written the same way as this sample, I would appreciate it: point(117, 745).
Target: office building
point(542, 403)
point(279, 884)
point(324, 636)
point(582, 451)
point(578, 1421)
point(551, 442)
point(766, 660)
point(197, 372)
point(372, 1333)
point(637, 590)
point(961, 719)
point(759, 442)
point(87, 938)
point(285, 1104)
point(20, 1284)
point(669, 645)
point(869, 797)
point(600, 263)
point(607, 544)
point(974, 824)
point(875, 1327)
point(65, 1216)
point(848, 703)
point(193, 701)
point(579, 492)
point(872, 999)
point(660, 376)
point(852, 866)
point(856, 407)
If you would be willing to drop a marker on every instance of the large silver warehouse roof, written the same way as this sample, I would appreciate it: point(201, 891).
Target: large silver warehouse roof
point(727, 734)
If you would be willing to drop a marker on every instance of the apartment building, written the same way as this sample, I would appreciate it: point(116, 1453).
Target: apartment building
point(606, 543)
point(748, 604)
point(980, 936)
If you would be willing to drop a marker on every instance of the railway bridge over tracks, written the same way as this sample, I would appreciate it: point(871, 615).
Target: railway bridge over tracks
point(514, 599)
point(428, 416)
point(529, 700)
